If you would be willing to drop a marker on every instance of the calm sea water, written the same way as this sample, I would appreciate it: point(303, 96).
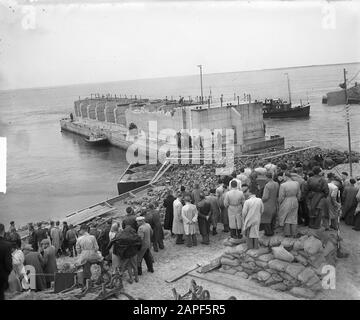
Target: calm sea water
point(51, 173)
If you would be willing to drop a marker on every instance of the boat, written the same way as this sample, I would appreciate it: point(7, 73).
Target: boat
point(277, 108)
point(137, 175)
point(97, 140)
point(350, 95)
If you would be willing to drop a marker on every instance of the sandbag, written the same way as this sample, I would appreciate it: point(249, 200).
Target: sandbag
point(329, 248)
point(242, 274)
point(249, 265)
point(302, 292)
point(228, 256)
point(312, 245)
point(279, 286)
point(266, 257)
point(276, 277)
point(254, 253)
point(278, 265)
point(299, 243)
point(306, 275)
point(282, 254)
point(264, 241)
point(241, 248)
point(230, 250)
point(312, 281)
point(229, 262)
point(228, 271)
point(285, 276)
point(271, 281)
point(239, 268)
point(275, 240)
point(294, 269)
point(288, 243)
point(291, 283)
point(261, 264)
point(317, 260)
point(301, 260)
point(263, 275)
point(248, 258)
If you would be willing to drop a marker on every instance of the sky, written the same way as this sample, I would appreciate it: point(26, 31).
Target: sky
point(54, 43)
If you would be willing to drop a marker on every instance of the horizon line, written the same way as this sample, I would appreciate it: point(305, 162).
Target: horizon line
point(177, 76)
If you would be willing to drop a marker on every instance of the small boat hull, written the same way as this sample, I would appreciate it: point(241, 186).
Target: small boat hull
point(97, 142)
point(130, 185)
point(297, 112)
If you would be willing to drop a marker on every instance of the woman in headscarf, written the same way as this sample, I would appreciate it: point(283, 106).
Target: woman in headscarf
point(50, 267)
point(35, 259)
point(18, 272)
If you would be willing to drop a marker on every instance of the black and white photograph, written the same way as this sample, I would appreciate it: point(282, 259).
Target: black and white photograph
point(182, 151)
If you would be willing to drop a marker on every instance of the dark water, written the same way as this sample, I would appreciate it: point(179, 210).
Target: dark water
point(51, 173)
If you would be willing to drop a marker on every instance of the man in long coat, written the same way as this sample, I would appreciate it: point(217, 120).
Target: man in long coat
point(269, 199)
point(152, 217)
point(130, 219)
point(56, 238)
point(215, 209)
point(178, 225)
point(145, 233)
point(251, 214)
point(317, 193)
point(64, 244)
point(189, 216)
point(303, 215)
point(50, 267)
point(349, 202)
point(220, 194)
point(333, 206)
point(35, 259)
point(204, 216)
point(169, 211)
point(40, 234)
point(233, 201)
point(289, 196)
point(6, 262)
point(195, 194)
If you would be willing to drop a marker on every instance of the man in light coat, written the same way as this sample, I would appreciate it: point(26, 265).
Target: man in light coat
point(289, 196)
point(178, 225)
point(233, 201)
point(269, 199)
point(189, 216)
point(251, 213)
point(220, 194)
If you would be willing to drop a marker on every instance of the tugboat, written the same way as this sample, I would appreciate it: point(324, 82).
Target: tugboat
point(277, 108)
point(97, 140)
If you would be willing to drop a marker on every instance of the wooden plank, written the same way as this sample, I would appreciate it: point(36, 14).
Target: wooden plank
point(182, 274)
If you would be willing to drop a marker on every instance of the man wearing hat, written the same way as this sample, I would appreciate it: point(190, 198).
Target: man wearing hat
point(40, 234)
point(36, 260)
point(145, 233)
point(50, 266)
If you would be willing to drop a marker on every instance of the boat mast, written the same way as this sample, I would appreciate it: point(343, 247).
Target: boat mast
point(288, 82)
point(348, 121)
point(202, 96)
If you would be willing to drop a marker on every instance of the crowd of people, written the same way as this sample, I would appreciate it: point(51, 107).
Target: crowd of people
point(245, 203)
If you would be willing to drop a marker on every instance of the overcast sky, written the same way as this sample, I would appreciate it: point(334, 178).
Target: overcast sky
point(49, 45)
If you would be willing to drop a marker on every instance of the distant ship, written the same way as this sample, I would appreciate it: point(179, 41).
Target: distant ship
point(277, 108)
point(338, 97)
